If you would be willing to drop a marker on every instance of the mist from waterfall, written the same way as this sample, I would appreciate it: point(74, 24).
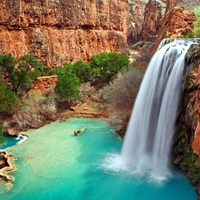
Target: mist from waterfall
point(148, 139)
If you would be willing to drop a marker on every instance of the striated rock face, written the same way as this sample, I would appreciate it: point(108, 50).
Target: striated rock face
point(194, 108)
point(56, 31)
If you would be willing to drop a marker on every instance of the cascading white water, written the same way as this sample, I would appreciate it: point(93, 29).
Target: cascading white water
point(148, 139)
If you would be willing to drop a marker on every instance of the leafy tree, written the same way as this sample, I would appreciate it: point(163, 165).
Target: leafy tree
point(82, 70)
point(2, 139)
point(26, 73)
point(9, 101)
point(107, 64)
point(68, 67)
point(67, 85)
point(7, 66)
point(19, 73)
point(45, 70)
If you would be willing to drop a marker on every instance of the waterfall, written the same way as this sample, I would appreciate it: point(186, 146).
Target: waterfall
point(148, 139)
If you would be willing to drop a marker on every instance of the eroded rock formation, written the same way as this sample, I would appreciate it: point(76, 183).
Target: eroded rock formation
point(151, 19)
point(56, 31)
point(175, 24)
point(145, 18)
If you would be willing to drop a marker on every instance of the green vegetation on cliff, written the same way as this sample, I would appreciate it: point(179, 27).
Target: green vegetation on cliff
point(196, 25)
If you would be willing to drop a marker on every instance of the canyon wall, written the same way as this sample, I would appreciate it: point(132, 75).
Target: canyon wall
point(144, 27)
point(56, 31)
point(186, 152)
point(152, 19)
point(145, 18)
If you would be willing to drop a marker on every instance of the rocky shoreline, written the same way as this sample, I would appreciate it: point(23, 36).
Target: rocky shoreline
point(8, 162)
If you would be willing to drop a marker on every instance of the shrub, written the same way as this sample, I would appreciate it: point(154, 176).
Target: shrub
point(86, 88)
point(37, 110)
point(122, 91)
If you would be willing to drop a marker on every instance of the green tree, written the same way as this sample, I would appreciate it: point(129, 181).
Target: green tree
point(105, 65)
point(19, 73)
point(67, 86)
point(2, 139)
point(82, 70)
point(9, 101)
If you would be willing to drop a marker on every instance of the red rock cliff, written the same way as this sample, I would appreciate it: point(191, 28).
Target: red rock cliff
point(56, 31)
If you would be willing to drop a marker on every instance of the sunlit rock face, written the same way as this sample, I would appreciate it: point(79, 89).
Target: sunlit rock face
point(44, 83)
point(56, 31)
point(175, 24)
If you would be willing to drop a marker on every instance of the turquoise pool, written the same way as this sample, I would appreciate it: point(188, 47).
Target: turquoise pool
point(53, 164)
